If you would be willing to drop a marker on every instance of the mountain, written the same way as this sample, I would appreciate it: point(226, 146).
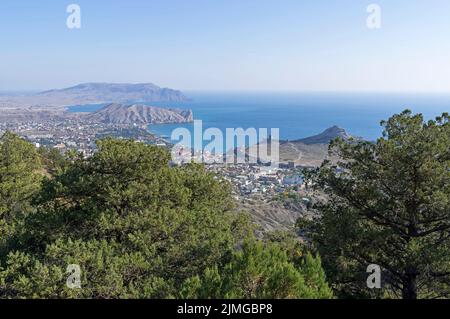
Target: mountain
point(309, 151)
point(117, 92)
point(326, 136)
point(139, 114)
point(96, 93)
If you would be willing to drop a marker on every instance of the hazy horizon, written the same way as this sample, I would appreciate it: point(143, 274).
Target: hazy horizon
point(228, 46)
point(238, 91)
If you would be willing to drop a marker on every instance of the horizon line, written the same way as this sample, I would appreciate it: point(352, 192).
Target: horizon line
point(229, 91)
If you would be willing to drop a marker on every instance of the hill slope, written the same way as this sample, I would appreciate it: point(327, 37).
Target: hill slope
point(326, 136)
point(309, 151)
point(139, 114)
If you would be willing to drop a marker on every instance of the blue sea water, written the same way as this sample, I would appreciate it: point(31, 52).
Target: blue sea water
point(299, 115)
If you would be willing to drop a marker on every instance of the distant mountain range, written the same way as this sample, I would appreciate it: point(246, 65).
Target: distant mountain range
point(95, 93)
point(139, 114)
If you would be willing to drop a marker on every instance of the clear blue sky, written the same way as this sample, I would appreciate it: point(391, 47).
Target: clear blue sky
point(298, 45)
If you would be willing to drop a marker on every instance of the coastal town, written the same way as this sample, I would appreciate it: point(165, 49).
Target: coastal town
point(248, 179)
point(57, 127)
point(76, 134)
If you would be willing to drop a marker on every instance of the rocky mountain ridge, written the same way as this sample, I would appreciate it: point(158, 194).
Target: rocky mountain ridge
point(116, 113)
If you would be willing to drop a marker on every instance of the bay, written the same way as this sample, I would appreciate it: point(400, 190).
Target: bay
point(298, 115)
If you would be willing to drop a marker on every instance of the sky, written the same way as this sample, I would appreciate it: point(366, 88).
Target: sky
point(228, 45)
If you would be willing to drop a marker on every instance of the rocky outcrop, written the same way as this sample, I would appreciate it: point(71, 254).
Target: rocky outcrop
point(139, 114)
point(326, 136)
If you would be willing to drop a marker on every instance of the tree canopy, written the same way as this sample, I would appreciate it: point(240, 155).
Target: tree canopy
point(388, 204)
point(136, 227)
point(19, 182)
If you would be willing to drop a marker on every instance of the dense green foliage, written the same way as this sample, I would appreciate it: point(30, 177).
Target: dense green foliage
point(137, 228)
point(388, 204)
point(262, 271)
point(19, 181)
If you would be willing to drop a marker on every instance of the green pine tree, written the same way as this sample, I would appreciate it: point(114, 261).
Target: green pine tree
point(138, 228)
point(388, 204)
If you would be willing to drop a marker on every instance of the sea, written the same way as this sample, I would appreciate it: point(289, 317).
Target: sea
point(297, 115)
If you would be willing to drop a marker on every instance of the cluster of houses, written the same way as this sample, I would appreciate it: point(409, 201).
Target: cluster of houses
point(250, 179)
point(75, 135)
